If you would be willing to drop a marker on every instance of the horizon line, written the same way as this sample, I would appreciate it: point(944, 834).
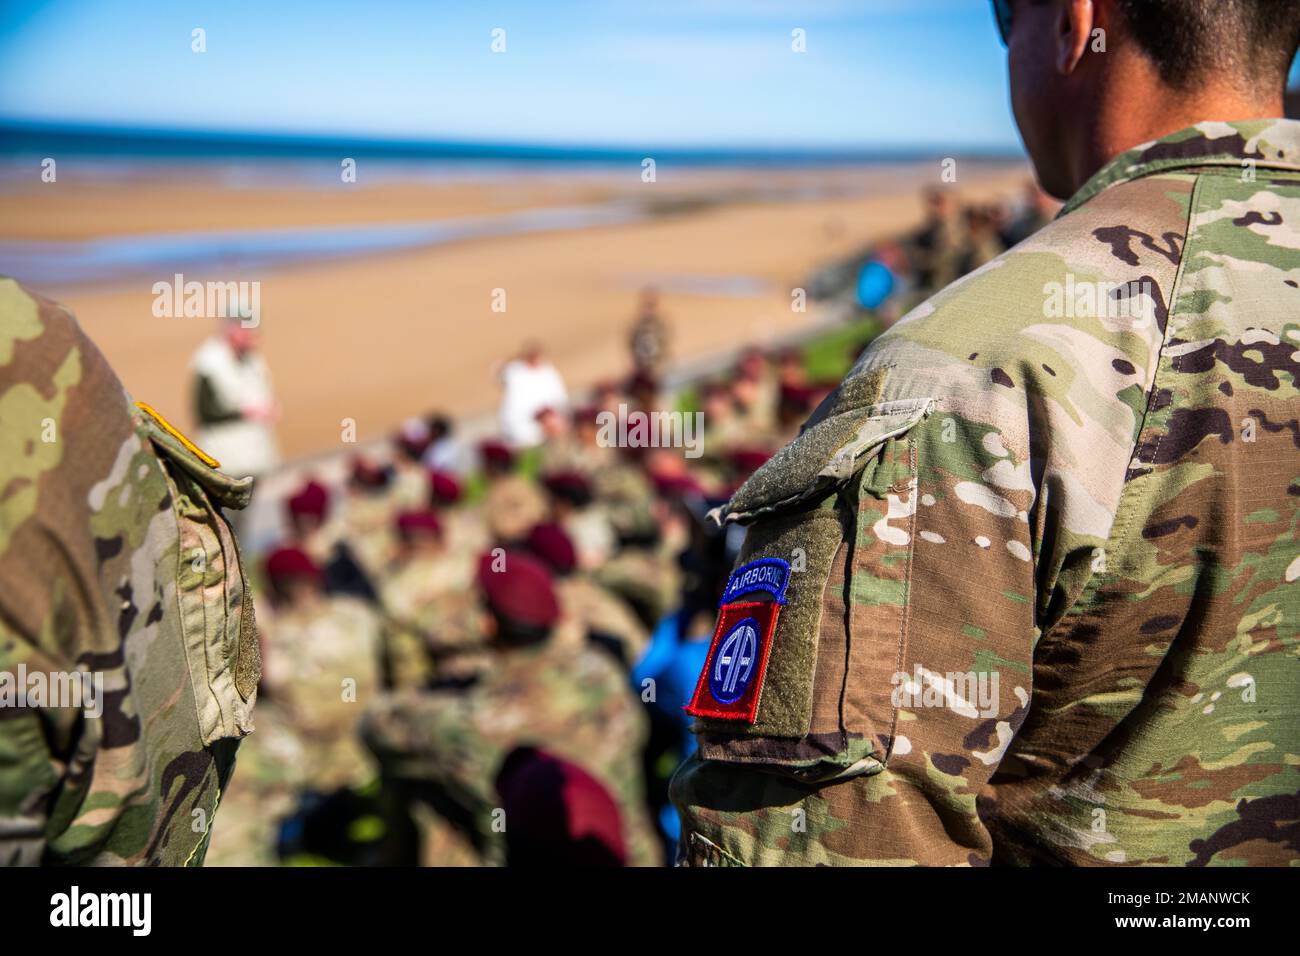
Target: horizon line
point(213, 141)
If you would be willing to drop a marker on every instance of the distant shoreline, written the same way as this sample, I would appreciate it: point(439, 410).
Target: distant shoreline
point(25, 139)
point(117, 259)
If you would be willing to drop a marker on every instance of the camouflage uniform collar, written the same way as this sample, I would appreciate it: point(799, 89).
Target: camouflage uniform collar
point(1272, 143)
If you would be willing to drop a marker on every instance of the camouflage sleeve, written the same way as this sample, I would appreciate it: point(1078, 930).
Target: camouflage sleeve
point(50, 599)
point(876, 739)
point(939, 514)
point(128, 661)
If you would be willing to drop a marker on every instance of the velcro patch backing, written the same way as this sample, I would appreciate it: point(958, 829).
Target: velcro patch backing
point(806, 539)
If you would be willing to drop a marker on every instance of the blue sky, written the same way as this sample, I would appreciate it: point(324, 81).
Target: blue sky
point(618, 72)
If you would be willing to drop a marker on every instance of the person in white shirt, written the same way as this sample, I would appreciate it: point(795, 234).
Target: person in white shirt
point(235, 408)
point(530, 384)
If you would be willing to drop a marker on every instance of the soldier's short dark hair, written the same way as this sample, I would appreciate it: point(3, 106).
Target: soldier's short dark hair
point(512, 633)
point(1254, 41)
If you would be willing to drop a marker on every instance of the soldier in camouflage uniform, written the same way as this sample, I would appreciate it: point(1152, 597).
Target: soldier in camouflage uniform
point(444, 746)
point(423, 595)
point(424, 567)
point(593, 615)
point(320, 671)
point(1027, 587)
point(115, 562)
point(367, 515)
point(939, 246)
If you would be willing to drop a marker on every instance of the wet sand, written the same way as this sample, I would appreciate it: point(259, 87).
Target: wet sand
point(379, 338)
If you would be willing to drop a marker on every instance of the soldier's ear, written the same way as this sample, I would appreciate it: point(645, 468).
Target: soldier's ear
point(1075, 21)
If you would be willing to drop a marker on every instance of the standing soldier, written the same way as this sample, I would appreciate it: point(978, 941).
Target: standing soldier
point(234, 404)
point(115, 565)
point(1025, 587)
point(939, 244)
point(649, 337)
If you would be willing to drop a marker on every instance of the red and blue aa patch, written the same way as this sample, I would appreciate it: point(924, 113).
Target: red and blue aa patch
point(732, 680)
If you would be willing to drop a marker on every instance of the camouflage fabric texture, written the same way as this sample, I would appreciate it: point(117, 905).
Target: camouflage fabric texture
point(115, 563)
point(320, 663)
point(1046, 584)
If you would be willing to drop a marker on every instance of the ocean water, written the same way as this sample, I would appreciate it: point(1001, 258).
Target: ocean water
point(234, 161)
point(246, 253)
point(129, 143)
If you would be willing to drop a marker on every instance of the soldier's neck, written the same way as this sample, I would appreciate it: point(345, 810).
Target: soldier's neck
point(1125, 117)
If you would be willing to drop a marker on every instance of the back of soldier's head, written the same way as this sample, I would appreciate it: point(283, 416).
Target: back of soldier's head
point(1251, 42)
point(1091, 78)
point(518, 596)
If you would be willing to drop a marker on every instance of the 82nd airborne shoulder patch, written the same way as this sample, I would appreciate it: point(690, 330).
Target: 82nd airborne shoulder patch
point(732, 680)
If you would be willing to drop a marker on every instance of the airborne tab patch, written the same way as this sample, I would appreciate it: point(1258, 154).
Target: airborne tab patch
point(732, 680)
point(766, 574)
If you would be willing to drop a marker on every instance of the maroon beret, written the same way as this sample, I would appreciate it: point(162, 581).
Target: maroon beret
point(444, 489)
point(641, 381)
point(587, 414)
point(496, 453)
point(797, 394)
point(671, 486)
point(412, 441)
point(517, 586)
point(285, 564)
point(558, 813)
point(550, 543)
point(414, 522)
point(747, 460)
point(569, 485)
point(369, 474)
point(311, 499)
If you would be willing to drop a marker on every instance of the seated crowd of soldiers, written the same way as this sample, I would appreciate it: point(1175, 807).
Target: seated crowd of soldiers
point(442, 643)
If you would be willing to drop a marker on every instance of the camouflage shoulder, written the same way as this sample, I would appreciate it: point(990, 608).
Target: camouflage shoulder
point(1264, 141)
point(1076, 314)
point(68, 424)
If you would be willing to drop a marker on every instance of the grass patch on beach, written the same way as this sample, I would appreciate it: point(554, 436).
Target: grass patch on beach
point(826, 357)
point(829, 356)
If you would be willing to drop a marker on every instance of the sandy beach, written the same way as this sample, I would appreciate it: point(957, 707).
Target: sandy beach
point(376, 338)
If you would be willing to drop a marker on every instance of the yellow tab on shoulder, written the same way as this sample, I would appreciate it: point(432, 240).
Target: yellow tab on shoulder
point(175, 432)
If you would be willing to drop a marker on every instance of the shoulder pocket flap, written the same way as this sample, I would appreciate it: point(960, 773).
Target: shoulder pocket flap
point(795, 510)
point(228, 492)
point(826, 454)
